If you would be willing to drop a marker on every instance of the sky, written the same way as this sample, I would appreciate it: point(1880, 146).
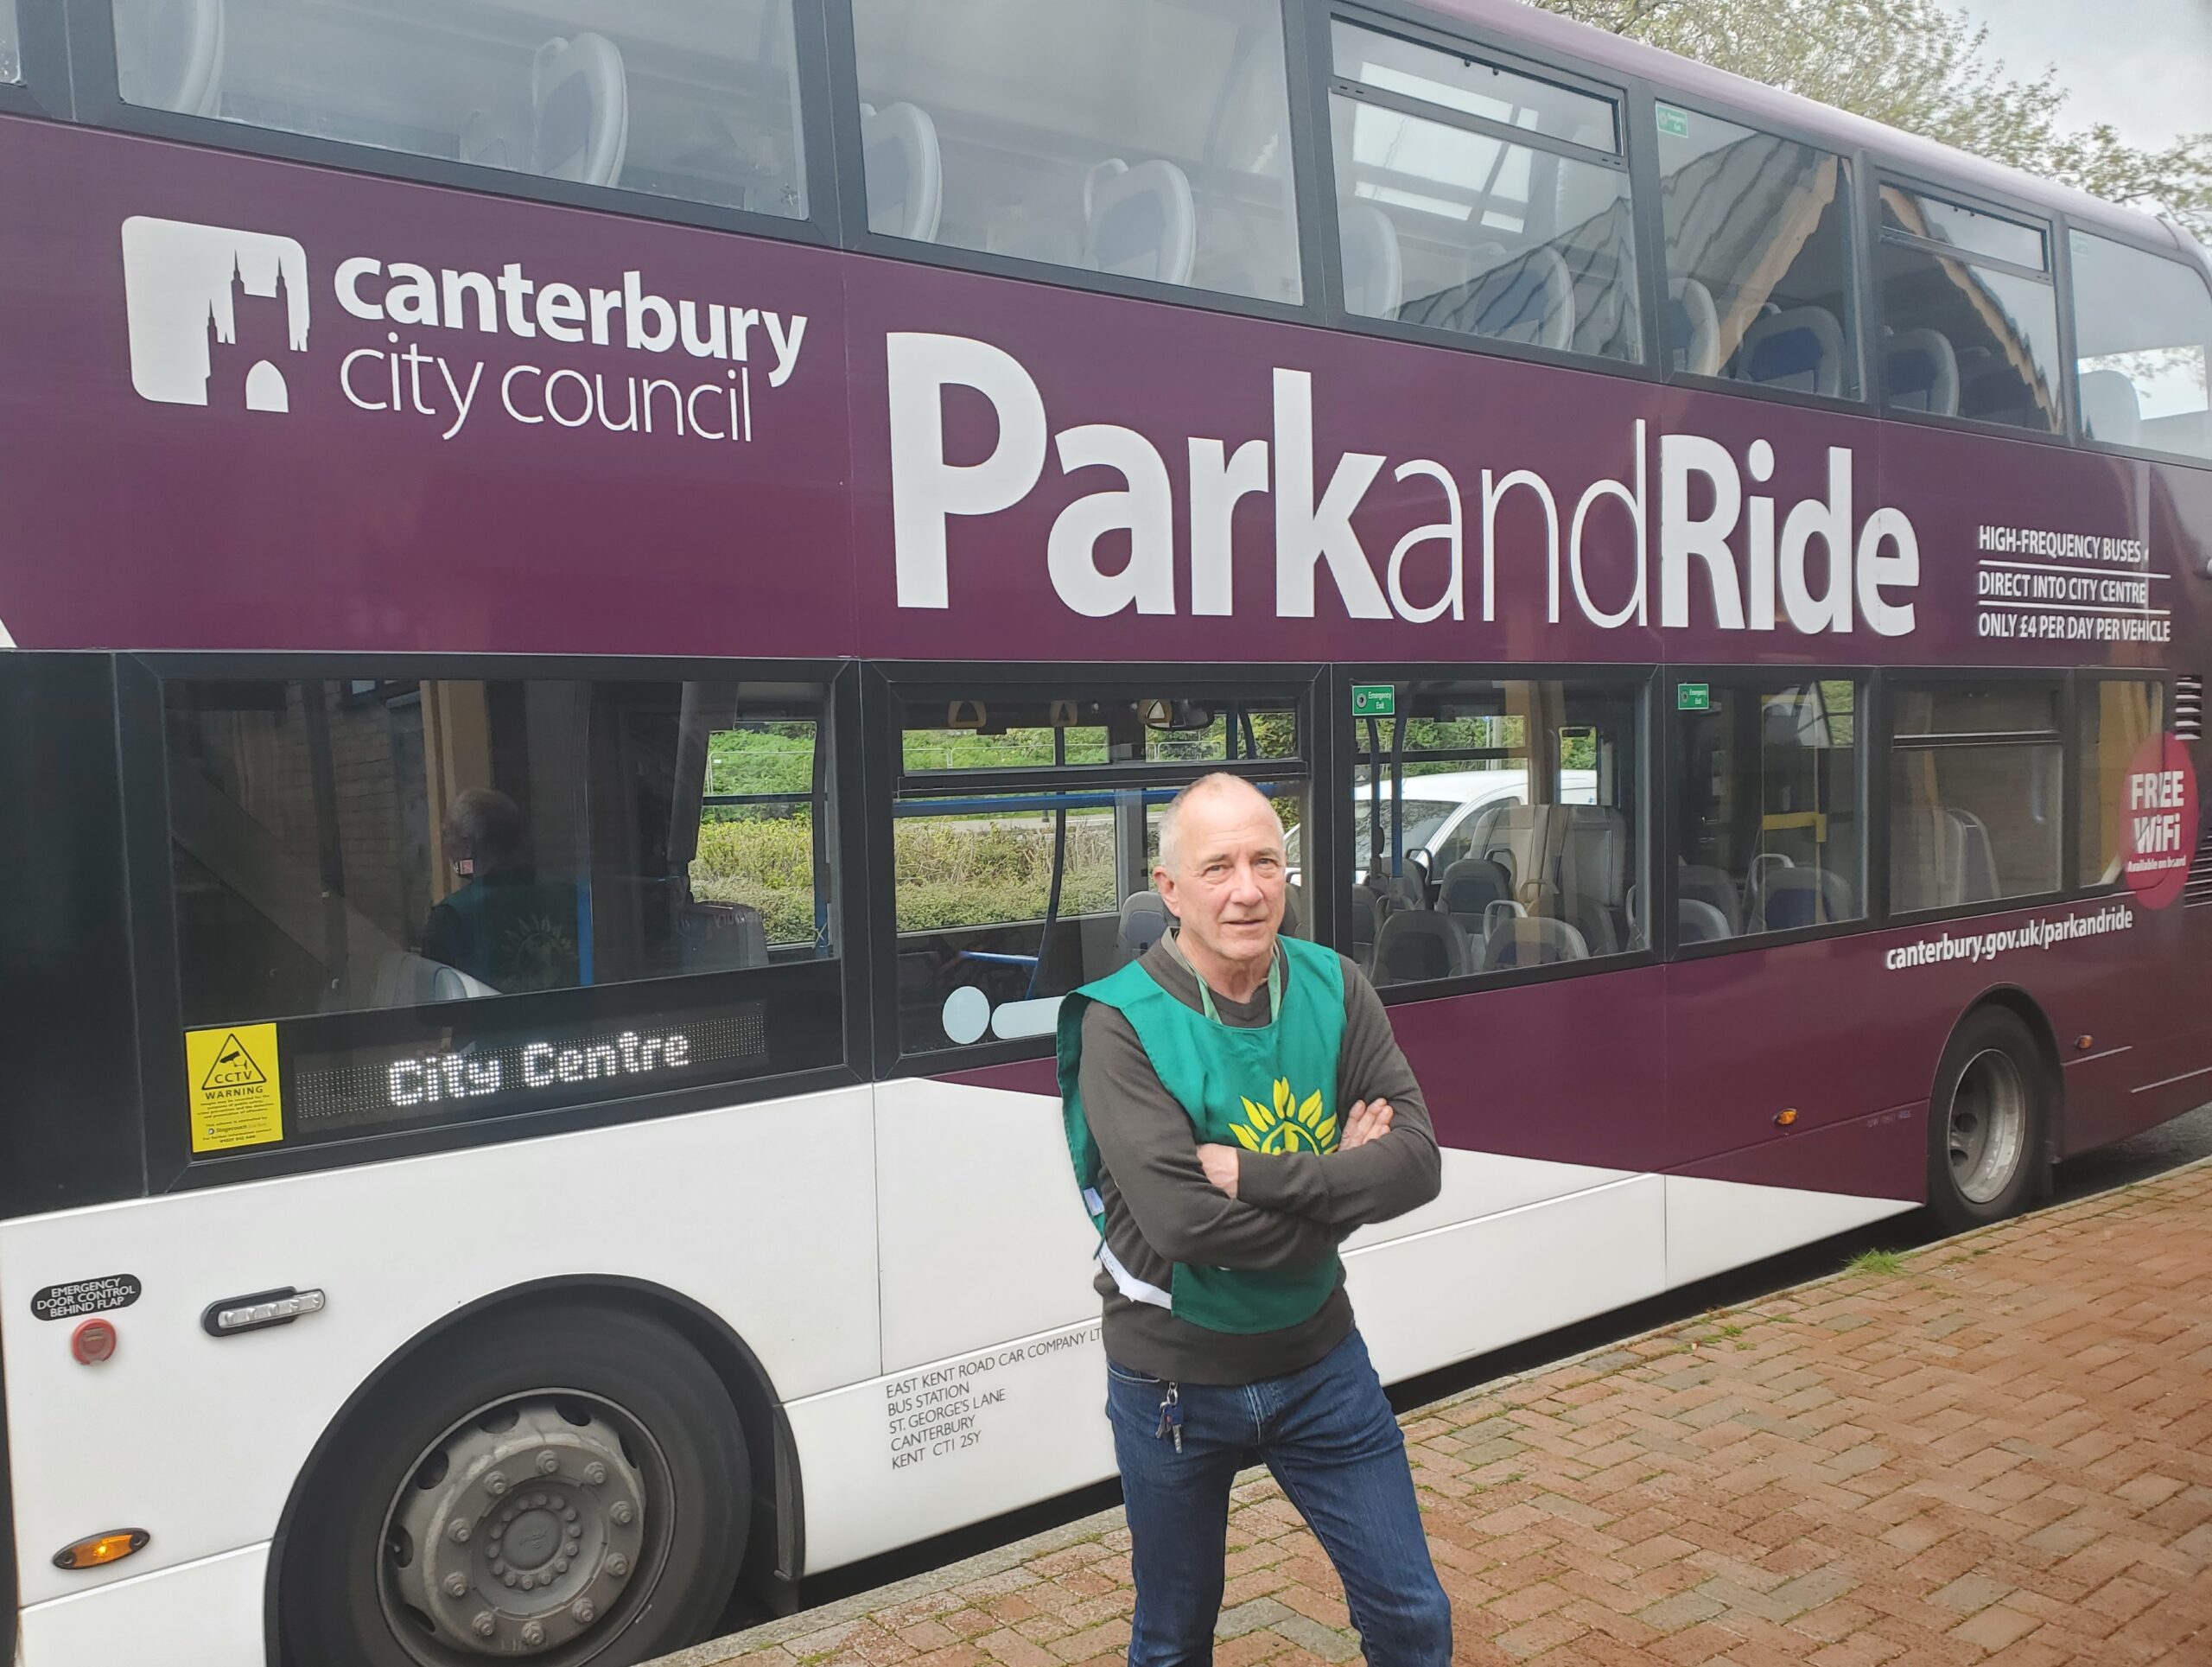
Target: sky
point(2145, 66)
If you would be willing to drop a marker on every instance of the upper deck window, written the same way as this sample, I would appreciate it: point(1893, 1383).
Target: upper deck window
point(695, 102)
point(1759, 256)
point(1969, 314)
point(1144, 138)
point(1477, 199)
point(2143, 338)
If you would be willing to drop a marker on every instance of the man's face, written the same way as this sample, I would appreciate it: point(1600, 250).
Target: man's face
point(1227, 886)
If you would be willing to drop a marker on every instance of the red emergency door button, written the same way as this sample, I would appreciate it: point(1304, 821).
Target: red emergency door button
point(92, 1342)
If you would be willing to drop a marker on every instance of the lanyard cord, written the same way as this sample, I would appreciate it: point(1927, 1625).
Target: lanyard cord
point(1274, 989)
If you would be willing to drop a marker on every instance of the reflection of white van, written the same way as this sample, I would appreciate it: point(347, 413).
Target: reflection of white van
point(1440, 813)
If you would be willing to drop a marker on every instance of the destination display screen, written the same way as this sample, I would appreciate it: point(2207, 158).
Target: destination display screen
point(532, 1068)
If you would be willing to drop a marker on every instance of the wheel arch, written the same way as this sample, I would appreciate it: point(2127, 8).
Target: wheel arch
point(775, 1547)
point(2029, 1011)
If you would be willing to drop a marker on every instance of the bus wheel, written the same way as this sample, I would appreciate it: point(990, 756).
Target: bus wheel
point(1985, 1121)
point(565, 1485)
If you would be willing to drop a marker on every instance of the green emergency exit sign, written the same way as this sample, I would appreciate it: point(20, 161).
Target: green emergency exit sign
point(1674, 122)
point(1374, 700)
point(1693, 697)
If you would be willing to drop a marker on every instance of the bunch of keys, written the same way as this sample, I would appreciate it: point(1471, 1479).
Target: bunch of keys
point(1171, 1416)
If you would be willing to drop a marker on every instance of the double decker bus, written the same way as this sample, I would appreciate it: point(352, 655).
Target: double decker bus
point(604, 599)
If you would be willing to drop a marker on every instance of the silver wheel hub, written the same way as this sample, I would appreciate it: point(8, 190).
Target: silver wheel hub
point(1987, 1135)
point(517, 1531)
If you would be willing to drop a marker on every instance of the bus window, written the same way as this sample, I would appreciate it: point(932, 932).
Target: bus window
point(1494, 827)
point(1975, 783)
point(1769, 837)
point(1960, 336)
point(692, 102)
point(1759, 256)
point(1145, 138)
point(1024, 839)
point(1472, 199)
point(417, 850)
point(2114, 718)
point(2143, 332)
point(11, 44)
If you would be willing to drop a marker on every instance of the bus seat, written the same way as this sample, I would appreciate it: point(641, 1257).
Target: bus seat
point(1697, 922)
point(580, 96)
point(904, 171)
point(1414, 945)
point(1593, 850)
point(169, 55)
point(1294, 918)
point(2112, 409)
point(1973, 865)
point(1696, 329)
point(1799, 347)
point(1529, 299)
point(1715, 887)
point(1472, 885)
point(1802, 896)
point(1140, 222)
point(1144, 922)
point(1922, 372)
point(1530, 941)
point(1375, 270)
point(721, 937)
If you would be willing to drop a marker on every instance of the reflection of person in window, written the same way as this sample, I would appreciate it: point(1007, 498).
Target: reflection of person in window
point(503, 926)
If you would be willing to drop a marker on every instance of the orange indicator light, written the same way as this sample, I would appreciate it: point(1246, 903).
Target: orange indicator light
point(102, 1548)
point(1786, 1118)
point(2085, 1043)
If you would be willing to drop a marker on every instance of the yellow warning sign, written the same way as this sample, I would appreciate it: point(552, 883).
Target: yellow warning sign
point(237, 1099)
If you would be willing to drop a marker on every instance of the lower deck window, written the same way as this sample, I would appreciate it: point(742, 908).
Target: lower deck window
point(444, 898)
point(1976, 785)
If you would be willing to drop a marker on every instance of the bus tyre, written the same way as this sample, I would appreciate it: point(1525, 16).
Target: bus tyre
point(559, 1485)
point(1987, 1120)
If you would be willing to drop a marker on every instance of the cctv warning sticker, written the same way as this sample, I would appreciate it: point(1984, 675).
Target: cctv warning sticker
point(236, 1097)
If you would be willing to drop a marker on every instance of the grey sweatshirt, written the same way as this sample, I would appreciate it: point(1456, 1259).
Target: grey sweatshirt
point(1291, 1209)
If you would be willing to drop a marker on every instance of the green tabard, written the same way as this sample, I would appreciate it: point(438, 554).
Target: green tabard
point(1269, 1089)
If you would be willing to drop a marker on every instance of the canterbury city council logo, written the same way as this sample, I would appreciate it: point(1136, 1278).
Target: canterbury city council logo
point(214, 313)
point(1294, 1125)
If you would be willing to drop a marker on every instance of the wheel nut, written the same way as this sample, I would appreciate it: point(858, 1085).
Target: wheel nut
point(548, 1461)
point(508, 1577)
point(621, 1511)
point(458, 1533)
point(456, 1586)
point(595, 1475)
point(533, 1634)
point(560, 1565)
point(484, 1626)
point(617, 1565)
point(495, 1483)
point(584, 1613)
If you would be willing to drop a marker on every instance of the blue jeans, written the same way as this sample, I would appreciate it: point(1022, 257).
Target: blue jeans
point(1327, 1434)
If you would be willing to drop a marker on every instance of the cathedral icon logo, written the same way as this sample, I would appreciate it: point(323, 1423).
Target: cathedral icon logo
point(214, 313)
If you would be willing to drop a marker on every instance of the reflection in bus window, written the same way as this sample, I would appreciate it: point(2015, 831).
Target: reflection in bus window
point(693, 102)
point(2114, 718)
point(2143, 338)
point(1771, 838)
point(11, 44)
point(1962, 338)
point(1495, 828)
point(342, 846)
point(1009, 897)
point(1145, 138)
point(1472, 198)
point(1975, 785)
point(1759, 256)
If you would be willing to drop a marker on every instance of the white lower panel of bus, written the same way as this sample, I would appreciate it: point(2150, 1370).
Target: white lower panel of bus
point(198, 1614)
point(1715, 1225)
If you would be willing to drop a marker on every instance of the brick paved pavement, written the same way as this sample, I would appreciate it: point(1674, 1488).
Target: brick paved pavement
point(2001, 1453)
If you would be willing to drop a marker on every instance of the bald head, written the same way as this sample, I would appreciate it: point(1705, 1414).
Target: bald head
point(1204, 799)
point(1222, 871)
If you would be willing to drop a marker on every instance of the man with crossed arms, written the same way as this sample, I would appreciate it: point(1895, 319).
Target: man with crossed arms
point(1236, 1105)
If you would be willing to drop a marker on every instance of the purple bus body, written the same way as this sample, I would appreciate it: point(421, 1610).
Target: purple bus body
point(335, 526)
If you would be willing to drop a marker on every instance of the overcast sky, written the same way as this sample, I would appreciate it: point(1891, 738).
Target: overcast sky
point(2145, 66)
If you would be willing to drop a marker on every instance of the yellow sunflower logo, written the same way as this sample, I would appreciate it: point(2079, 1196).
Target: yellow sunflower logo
point(1294, 1125)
